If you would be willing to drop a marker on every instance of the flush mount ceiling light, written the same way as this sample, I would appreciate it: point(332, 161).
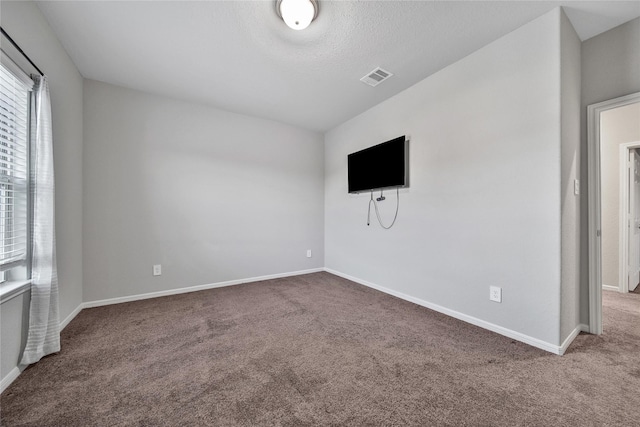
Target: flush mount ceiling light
point(297, 14)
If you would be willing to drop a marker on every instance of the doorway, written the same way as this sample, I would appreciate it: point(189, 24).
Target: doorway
point(629, 212)
point(595, 115)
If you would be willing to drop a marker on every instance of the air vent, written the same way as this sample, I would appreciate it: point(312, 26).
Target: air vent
point(376, 77)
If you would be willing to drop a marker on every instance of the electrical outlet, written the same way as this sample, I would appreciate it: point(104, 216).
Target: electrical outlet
point(495, 293)
point(157, 270)
point(308, 253)
point(576, 187)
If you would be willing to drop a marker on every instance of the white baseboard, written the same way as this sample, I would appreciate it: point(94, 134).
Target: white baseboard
point(555, 349)
point(567, 342)
point(118, 300)
point(11, 377)
point(15, 372)
point(610, 288)
point(71, 316)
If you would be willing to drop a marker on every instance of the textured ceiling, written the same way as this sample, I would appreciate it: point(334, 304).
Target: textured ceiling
point(239, 56)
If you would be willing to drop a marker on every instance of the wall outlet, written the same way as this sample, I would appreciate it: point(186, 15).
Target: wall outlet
point(157, 270)
point(495, 293)
point(308, 253)
point(576, 187)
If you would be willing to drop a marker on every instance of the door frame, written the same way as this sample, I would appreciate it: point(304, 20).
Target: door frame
point(623, 229)
point(594, 204)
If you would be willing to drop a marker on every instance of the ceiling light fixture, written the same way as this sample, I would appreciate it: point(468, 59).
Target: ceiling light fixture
point(297, 14)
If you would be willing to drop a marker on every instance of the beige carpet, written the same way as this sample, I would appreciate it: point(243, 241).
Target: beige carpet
point(320, 350)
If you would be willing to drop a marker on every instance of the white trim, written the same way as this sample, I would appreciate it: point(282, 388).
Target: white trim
point(610, 288)
point(623, 218)
point(593, 172)
point(71, 316)
point(16, 70)
point(12, 289)
point(552, 348)
point(15, 372)
point(118, 300)
point(11, 377)
point(567, 342)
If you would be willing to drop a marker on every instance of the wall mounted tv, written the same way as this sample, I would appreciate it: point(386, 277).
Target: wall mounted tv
point(382, 166)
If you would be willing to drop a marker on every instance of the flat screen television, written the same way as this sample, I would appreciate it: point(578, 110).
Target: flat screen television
point(385, 165)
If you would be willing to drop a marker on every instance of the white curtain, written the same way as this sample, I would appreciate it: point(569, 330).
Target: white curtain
point(44, 323)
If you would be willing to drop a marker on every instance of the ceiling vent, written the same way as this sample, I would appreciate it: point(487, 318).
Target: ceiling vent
point(375, 77)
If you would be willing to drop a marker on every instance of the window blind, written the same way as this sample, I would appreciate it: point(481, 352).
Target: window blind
point(14, 155)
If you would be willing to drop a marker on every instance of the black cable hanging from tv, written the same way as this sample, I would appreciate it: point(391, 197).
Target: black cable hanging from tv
point(4, 33)
point(375, 204)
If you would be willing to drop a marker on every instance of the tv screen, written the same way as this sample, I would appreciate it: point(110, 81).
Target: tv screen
point(382, 166)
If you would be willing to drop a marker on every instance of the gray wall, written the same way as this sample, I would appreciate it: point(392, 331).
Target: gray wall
point(215, 215)
point(484, 207)
point(610, 69)
point(570, 116)
point(212, 196)
point(14, 324)
point(26, 25)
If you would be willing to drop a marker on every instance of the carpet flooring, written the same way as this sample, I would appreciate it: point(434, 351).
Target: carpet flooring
point(320, 350)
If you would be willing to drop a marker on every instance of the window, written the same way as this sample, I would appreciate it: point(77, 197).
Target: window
point(14, 168)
